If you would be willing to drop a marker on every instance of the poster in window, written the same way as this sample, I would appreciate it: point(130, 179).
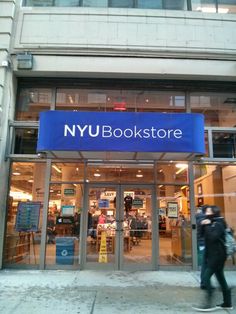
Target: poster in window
point(172, 208)
point(27, 217)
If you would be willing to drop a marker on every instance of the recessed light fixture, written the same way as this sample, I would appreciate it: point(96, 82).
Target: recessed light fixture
point(96, 174)
point(16, 173)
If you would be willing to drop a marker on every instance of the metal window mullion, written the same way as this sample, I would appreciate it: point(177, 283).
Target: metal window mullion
point(210, 143)
point(189, 5)
point(217, 5)
point(54, 98)
point(187, 102)
point(155, 230)
point(45, 215)
point(192, 216)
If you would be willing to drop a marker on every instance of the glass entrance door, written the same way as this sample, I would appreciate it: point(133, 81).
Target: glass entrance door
point(101, 233)
point(137, 210)
point(119, 227)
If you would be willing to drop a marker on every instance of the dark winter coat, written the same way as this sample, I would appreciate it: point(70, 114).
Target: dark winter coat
point(214, 236)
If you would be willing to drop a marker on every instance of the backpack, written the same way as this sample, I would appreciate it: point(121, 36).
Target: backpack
point(230, 243)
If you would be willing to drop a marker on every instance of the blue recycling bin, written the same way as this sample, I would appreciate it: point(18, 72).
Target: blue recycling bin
point(65, 247)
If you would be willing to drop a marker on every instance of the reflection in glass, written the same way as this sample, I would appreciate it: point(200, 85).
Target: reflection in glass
point(120, 173)
point(22, 244)
point(172, 172)
point(67, 172)
point(224, 144)
point(226, 6)
point(218, 109)
point(174, 225)
point(206, 6)
point(31, 101)
point(150, 4)
point(119, 100)
point(121, 3)
point(25, 141)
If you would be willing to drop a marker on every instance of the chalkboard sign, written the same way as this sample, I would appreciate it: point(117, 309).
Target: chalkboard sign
point(27, 217)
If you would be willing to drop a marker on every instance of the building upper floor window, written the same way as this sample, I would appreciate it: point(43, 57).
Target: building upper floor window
point(206, 6)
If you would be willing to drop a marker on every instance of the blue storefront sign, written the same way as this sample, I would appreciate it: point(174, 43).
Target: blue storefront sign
point(121, 131)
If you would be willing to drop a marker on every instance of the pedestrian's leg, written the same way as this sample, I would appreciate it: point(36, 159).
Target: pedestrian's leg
point(207, 283)
point(203, 268)
point(224, 286)
point(206, 305)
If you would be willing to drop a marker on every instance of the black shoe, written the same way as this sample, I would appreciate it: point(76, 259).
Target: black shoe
point(205, 308)
point(224, 306)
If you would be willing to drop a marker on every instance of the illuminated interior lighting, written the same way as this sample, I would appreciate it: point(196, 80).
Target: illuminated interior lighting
point(20, 195)
point(56, 168)
point(181, 166)
point(183, 187)
point(71, 99)
point(77, 169)
point(139, 175)
point(16, 173)
point(30, 180)
point(75, 184)
point(96, 174)
point(160, 186)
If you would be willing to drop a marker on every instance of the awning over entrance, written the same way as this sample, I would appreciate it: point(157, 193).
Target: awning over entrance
point(121, 136)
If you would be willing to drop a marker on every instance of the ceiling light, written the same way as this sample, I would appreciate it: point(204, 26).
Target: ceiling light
point(97, 174)
point(16, 173)
point(30, 180)
point(56, 168)
point(139, 175)
point(181, 166)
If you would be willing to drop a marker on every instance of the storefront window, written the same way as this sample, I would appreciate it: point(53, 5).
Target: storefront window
point(215, 185)
point(121, 3)
point(207, 6)
point(119, 100)
point(24, 215)
point(175, 246)
point(120, 173)
point(150, 4)
point(172, 172)
point(224, 144)
point(226, 6)
point(63, 224)
point(31, 101)
point(25, 141)
point(67, 172)
point(218, 109)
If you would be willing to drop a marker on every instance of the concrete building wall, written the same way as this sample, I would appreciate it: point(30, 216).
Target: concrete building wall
point(127, 32)
point(7, 11)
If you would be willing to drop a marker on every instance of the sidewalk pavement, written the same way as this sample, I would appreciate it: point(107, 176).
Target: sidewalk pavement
point(104, 292)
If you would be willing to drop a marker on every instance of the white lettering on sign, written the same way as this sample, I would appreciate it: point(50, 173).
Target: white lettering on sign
point(107, 131)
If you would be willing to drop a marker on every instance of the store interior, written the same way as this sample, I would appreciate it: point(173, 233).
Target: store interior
point(129, 218)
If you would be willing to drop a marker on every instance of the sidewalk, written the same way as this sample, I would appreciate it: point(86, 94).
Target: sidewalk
point(101, 292)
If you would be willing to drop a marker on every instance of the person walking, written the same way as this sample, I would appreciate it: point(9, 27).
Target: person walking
point(213, 231)
point(201, 215)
